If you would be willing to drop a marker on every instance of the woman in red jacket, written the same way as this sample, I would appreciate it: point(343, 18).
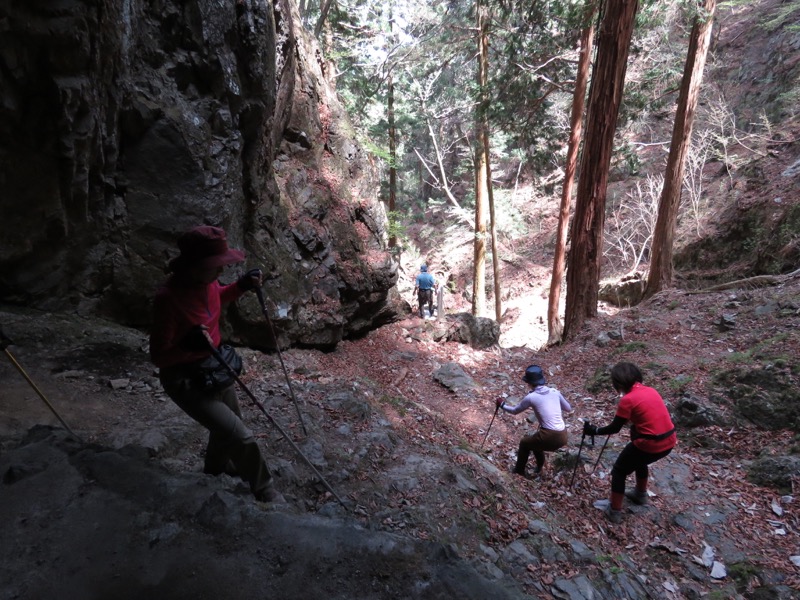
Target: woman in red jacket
point(652, 435)
point(187, 311)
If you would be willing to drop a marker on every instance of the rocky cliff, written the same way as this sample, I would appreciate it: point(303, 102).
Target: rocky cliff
point(125, 122)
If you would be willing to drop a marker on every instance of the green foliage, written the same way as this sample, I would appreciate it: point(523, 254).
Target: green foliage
point(396, 227)
point(600, 381)
point(654, 368)
point(380, 152)
point(769, 349)
point(743, 573)
point(789, 229)
point(680, 383)
point(724, 594)
point(630, 347)
point(399, 404)
point(510, 222)
point(531, 45)
point(428, 49)
point(783, 13)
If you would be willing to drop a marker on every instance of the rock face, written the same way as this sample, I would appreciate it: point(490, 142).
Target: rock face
point(125, 123)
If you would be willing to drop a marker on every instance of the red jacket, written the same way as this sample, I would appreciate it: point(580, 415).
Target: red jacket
point(645, 409)
point(179, 307)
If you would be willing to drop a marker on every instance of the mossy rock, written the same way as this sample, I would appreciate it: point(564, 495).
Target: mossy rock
point(775, 471)
point(600, 381)
point(766, 396)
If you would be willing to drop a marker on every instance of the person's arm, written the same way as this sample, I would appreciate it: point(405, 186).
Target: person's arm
point(565, 406)
point(614, 427)
point(524, 404)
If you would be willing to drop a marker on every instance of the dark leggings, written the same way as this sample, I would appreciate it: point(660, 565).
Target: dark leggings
point(629, 460)
point(425, 297)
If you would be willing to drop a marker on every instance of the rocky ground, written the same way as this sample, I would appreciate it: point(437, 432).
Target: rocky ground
point(396, 423)
point(429, 506)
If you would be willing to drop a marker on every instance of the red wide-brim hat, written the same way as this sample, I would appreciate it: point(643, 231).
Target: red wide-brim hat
point(206, 246)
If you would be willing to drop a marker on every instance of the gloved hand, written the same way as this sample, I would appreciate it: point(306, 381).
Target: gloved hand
point(196, 340)
point(589, 429)
point(499, 402)
point(250, 280)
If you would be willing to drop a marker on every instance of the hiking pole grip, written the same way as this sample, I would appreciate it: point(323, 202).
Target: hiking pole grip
point(232, 373)
point(262, 302)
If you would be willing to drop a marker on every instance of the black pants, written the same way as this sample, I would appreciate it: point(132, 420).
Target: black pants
point(425, 297)
point(629, 460)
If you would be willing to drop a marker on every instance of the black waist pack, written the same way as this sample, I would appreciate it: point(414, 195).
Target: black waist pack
point(209, 375)
point(635, 435)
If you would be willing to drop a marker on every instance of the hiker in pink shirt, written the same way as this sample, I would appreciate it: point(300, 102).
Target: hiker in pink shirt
point(547, 404)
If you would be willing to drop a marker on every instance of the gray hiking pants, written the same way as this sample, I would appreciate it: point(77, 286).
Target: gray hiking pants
point(228, 438)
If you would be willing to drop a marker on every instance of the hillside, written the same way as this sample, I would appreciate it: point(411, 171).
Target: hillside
point(431, 509)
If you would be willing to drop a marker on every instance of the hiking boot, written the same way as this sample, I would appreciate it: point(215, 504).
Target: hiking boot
point(613, 515)
point(228, 469)
point(535, 475)
point(270, 494)
point(640, 498)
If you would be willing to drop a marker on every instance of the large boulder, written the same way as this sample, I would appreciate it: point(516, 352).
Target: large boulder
point(478, 332)
point(624, 293)
point(126, 123)
point(776, 472)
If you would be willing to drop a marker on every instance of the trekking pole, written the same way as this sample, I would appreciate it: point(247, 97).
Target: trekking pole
point(4, 344)
point(260, 294)
point(255, 400)
point(490, 426)
point(599, 456)
point(577, 461)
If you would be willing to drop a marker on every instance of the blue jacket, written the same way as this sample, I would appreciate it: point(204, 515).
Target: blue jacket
point(425, 281)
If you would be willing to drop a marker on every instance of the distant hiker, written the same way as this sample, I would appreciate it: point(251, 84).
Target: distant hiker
point(186, 315)
point(652, 435)
point(547, 404)
point(424, 287)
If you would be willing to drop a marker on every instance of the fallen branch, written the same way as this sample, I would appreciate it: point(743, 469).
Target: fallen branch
point(757, 281)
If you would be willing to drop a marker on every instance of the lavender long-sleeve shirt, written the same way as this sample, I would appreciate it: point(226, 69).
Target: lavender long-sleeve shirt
point(547, 404)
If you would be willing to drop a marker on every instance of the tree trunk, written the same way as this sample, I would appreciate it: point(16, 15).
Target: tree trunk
point(661, 269)
point(554, 326)
point(323, 15)
point(498, 299)
point(392, 145)
point(605, 97)
point(483, 128)
point(482, 182)
point(440, 164)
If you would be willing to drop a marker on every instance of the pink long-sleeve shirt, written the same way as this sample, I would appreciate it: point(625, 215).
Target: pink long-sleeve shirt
point(547, 404)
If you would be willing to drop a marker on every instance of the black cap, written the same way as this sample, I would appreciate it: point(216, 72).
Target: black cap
point(534, 375)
